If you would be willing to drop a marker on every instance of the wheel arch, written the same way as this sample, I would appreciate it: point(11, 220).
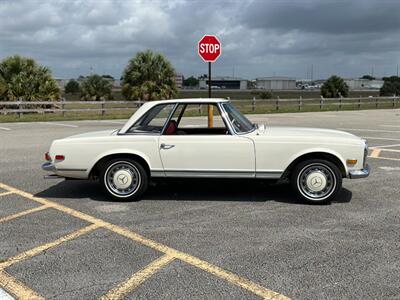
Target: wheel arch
point(333, 158)
point(95, 170)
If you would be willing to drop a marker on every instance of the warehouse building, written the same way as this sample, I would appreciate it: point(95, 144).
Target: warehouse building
point(227, 82)
point(361, 84)
point(179, 80)
point(276, 83)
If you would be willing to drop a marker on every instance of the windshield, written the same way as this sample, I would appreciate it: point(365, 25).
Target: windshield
point(239, 122)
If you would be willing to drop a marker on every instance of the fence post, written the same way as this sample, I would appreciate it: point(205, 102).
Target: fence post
point(340, 102)
point(300, 102)
point(394, 101)
point(200, 109)
point(102, 109)
point(277, 103)
point(376, 102)
point(63, 107)
point(19, 108)
point(253, 104)
point(359, 102)
point(321, 102)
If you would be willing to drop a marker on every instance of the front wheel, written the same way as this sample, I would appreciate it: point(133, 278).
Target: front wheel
point(124, 179)
point(316, 180)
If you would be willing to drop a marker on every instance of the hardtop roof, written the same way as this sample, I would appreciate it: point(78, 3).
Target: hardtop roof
point(192, 100)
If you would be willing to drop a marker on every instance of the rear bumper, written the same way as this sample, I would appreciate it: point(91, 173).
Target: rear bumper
point(48, 166)
point(355, 174)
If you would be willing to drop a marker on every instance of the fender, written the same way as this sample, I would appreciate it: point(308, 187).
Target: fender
point(117, 151)
point(317, 149)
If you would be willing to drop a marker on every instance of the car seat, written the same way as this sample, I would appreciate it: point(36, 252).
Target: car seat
point(171, 128)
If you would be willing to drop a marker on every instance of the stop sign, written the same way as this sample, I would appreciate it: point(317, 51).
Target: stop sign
point(209, 48)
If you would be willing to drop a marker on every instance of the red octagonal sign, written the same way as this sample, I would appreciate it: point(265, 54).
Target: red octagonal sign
point(209, 48)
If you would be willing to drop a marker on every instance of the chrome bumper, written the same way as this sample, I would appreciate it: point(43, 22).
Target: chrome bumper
point(360, 173)
point(49, 167)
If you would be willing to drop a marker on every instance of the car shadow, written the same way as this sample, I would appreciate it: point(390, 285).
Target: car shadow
point(190, 190)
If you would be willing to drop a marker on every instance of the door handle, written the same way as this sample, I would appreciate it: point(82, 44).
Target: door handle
point(166, 146)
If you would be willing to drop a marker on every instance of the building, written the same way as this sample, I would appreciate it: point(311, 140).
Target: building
point(61, 82)
point(276, 83)
point(179, 80)
point(218, 82)
point(363, 84)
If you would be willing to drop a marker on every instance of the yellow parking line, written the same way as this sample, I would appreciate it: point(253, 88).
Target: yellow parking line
point(17, 288)
point(210, 268)
point(5, 193)
point(23, 213)
point(37, 250)
point(201, 264)
point(375, 153)
point(123, 289)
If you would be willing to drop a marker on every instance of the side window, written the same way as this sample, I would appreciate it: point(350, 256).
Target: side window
point(192, 119)
point(154, 120)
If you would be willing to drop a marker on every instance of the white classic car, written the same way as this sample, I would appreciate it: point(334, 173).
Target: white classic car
point(172, 138)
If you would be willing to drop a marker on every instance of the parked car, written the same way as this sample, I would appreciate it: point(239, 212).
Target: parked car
point(162, 139)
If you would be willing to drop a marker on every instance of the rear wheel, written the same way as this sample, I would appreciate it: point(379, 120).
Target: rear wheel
point(124, 179)
point(316, 180)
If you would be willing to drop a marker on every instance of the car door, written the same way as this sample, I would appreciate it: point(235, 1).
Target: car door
point(205, 155)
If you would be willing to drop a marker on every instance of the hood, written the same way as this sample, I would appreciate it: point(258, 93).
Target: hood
point(297, 132)
point(102, 133)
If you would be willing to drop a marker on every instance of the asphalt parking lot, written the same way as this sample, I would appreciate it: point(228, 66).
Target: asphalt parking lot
point(207, 239)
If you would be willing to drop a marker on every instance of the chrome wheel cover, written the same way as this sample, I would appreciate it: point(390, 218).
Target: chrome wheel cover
point(122, 179)
point(316, 182)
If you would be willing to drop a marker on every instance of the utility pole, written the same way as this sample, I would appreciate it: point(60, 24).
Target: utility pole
point(312, 72)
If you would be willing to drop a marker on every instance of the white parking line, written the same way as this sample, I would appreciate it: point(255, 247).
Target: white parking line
point(5, 128)
point(386, 150)
point(59, 124)
point(385, 146)
point(371, 130)
point(397, 126)
point(113, 122)
point(379, 138)
point(5, 296)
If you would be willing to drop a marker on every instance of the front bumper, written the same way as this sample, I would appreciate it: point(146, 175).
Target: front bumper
point(355, 174)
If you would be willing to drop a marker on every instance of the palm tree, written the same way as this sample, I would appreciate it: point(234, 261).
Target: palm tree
point(22, 78)
point(96, 88)
point(149, 76)
point(334, 87)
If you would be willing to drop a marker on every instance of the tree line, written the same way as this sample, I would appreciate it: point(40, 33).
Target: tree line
point(148, 76)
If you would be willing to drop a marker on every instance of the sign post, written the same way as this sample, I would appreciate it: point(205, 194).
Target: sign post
point(209, 49)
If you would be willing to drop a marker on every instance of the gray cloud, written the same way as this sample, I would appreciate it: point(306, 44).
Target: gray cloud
point(259, 38)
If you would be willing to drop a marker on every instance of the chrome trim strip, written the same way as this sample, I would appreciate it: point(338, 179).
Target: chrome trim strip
point(269, 175)
point(171, 114)
point(157, 173)
point(225, 118)
point(209, 174)
point(217, 174)
point(71, 170)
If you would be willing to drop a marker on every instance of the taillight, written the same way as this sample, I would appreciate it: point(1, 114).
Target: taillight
point(47, 156)
point(60, 157)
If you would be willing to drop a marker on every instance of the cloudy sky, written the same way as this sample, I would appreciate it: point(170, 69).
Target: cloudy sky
point(260, 38)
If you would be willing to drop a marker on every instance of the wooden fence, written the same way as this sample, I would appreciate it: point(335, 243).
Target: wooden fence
point(249, 105)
